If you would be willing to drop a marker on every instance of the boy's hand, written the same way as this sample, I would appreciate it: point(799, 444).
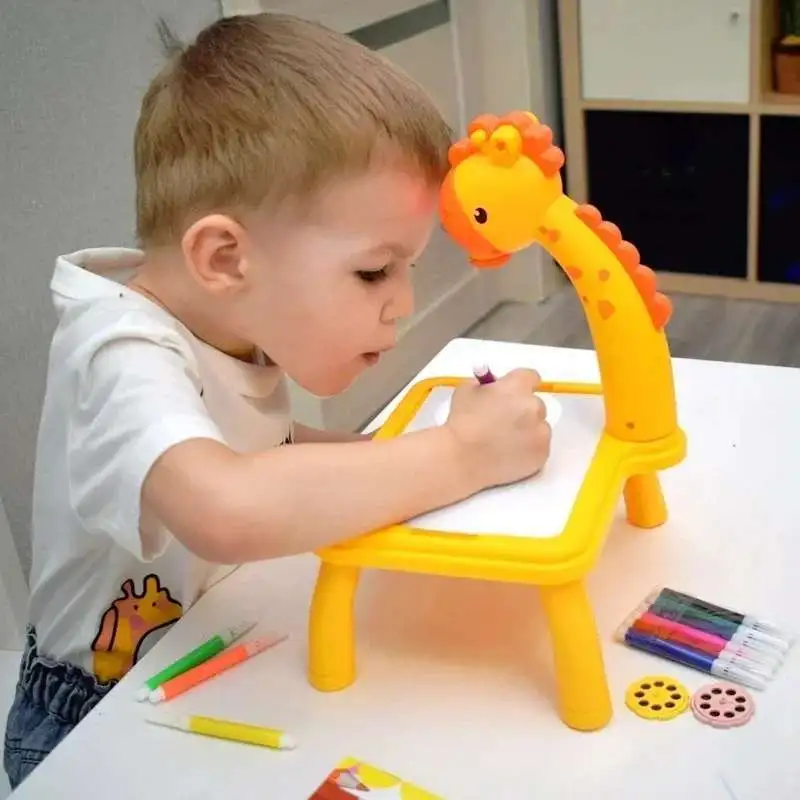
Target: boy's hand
point(501, 427)
point(230, 507)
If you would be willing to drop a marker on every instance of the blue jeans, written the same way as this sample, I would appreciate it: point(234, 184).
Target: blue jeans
point(51, 699)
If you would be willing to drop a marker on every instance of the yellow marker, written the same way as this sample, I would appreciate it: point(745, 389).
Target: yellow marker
point(223, 729)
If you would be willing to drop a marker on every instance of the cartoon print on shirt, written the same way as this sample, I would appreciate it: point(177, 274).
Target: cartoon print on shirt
point(126, 623)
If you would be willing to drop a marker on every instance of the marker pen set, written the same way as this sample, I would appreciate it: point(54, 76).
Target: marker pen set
point(204, 662)
point(707, 637)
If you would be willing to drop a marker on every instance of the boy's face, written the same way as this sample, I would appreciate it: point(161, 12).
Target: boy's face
point(325, 295)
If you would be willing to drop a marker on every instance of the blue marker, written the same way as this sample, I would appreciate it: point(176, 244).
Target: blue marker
point(731, 668)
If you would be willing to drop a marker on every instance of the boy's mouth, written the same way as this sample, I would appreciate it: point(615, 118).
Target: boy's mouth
point(374, 356)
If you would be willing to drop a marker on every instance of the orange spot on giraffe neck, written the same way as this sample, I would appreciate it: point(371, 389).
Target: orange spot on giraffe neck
point(574, 272)
point(604, 274)
point(658, 305)
point(551, 233)
point(605, 308)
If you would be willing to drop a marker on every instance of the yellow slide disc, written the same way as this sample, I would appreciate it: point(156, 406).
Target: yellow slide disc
point(657, 697)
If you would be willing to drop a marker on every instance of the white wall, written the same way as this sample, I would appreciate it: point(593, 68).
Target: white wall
point(72, 77)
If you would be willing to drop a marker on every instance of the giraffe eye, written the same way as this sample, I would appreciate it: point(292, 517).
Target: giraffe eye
point(480, 216)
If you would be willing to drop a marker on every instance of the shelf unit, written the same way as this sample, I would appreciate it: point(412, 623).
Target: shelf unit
point(672, 105)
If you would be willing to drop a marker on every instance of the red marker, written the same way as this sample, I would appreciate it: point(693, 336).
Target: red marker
point(483, 374)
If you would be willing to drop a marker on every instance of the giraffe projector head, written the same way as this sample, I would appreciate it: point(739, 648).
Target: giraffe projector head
point(503, 177)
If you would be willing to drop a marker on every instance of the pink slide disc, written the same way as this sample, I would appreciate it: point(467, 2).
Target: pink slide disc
point(723, 705)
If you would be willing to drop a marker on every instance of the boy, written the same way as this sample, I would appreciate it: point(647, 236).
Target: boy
point(287, 179)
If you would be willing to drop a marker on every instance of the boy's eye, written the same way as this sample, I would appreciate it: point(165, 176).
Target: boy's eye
point(373, 275)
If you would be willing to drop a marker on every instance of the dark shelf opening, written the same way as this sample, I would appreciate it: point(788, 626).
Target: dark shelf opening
point(779, 201)
point(676, 184)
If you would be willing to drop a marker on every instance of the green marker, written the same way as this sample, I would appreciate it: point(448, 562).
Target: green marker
point(216, 644)
point(707, 621)
point(670, 608)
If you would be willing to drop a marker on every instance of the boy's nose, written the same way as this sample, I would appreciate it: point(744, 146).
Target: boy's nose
point(401, 304)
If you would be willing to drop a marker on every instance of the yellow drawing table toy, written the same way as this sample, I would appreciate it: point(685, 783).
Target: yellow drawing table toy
point(503, 193)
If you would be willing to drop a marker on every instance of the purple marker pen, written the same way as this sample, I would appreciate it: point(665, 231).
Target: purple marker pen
point(483, 374)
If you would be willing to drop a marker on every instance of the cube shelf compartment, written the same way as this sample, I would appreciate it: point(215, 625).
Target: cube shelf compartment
point(678, 188)
point(779, 201)
point(704, 178)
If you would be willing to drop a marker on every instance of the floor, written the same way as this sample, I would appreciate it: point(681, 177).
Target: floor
point(712, 328)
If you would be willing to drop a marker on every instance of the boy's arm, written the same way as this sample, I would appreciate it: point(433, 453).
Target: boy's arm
point(232, 508)
point(303, 434)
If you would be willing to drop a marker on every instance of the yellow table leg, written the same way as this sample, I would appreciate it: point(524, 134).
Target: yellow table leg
point(331, 630)
point(584, 698)
point(644, 501)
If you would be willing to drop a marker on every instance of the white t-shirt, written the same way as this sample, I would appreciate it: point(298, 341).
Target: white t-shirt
point(125, 382)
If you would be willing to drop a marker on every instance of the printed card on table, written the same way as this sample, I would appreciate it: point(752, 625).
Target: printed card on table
point(353, 778)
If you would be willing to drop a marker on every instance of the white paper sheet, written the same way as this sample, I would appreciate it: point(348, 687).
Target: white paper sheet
point(537, 507)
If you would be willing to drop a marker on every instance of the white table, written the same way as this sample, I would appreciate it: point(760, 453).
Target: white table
point(455, 686)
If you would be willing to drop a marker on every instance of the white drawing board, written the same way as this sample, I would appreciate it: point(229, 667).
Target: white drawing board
point(537, 507)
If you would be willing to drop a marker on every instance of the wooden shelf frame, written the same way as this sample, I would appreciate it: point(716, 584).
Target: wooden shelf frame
point(763, 101)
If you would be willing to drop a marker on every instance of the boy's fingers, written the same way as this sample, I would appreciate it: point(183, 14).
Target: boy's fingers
point(526, 378)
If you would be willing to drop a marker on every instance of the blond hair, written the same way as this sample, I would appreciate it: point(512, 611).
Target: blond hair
point(267, 108)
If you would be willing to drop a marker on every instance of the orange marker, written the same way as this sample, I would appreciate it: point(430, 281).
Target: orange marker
point(213, 667)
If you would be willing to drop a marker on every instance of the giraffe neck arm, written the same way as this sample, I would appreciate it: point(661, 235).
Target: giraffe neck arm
point(632, 353)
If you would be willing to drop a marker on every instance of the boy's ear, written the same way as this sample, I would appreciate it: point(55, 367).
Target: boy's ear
point(214, 251)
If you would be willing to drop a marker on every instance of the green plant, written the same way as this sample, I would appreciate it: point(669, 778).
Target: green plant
point(790, 19)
